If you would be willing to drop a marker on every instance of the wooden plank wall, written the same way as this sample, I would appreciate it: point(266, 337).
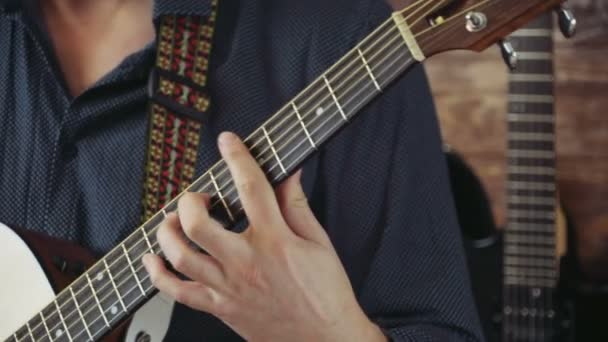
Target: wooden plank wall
point(470, 91)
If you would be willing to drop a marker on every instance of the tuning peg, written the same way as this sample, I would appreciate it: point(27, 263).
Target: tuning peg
point(567, 22)
point(508, 54)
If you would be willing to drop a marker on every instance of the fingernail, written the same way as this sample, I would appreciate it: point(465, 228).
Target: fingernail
point(146, 259)
point(227, 139)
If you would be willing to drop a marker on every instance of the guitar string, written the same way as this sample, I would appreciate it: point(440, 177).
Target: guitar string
point(359, 69)
point(309, 99)
point(389, 21)
point(112, 264)
point(350, 88)
point(87, 302)
point(129, 278)
point(141, 241)
point(296, 123)
point(402, 12)
point(228, 189)
point(327, 97)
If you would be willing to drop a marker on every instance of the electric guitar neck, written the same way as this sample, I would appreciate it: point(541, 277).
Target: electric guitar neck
point(530, 268)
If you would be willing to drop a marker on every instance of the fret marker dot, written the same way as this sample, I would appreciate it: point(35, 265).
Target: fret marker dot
point(58, 333)
point(99, 276)
point(536, 293)
point(114, 310)
point(320, 111)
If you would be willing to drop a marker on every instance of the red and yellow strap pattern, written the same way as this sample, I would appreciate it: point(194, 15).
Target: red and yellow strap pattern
point(182, 65)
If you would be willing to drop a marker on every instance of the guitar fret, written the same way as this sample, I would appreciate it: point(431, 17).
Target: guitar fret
point(126, 253)
point(65, 326)
point(143, 231)
point(84, 322)
point(531, 154)
point(530, 272)
point(532, 136)
point(532, 78)
point(46, 328)
point(333, 95)
point(29, 330)
point(103, 315)
point(369, 70)
point(308, 136)
point(221, 196)
point(523, 261)
point(536, 251)
point(530, 227)
point(274, 151)
point(523, 281)
point(524, 185)
point(524, 98)
point(531, 200)
point(540, 240)
point(531, 170)
point(105, 263)
point(535, 56)
point(532, 214)
point(531, 118)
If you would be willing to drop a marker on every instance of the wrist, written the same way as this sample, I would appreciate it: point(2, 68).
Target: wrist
point(360, 328)
point(373, 333)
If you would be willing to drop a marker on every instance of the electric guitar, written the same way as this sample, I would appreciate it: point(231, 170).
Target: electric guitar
point(533, 307)
point(112, 289)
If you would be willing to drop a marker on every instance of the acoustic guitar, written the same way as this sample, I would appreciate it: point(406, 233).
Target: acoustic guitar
point(112, 289)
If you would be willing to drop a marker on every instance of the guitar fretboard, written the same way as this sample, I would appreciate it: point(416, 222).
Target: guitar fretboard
point(114, 287)
point(530, 270)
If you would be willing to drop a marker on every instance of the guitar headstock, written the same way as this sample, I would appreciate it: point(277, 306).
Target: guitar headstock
point(442, 25)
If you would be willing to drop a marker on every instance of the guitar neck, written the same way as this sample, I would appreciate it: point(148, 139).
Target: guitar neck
point(118, 284)
point(530, 269)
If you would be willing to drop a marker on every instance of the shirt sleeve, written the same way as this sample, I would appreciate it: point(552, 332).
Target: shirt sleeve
point(417, 287)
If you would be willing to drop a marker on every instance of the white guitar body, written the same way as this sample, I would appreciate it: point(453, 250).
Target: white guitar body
point(151, 321)
point(25, 287)
point(26, 290)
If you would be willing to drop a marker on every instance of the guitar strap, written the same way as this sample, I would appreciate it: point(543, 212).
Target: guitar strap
point(178, 106)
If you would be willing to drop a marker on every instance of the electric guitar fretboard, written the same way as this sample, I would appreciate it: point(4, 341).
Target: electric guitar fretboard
point(530, 269)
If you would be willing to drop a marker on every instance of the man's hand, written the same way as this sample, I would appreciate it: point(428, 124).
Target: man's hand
point(280, 280)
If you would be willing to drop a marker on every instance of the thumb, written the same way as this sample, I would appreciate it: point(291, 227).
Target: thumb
point(297, 213)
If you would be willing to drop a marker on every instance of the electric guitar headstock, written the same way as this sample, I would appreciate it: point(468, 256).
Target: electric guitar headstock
point(442, 25)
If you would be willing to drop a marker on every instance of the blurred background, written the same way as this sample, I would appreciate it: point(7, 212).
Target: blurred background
point(471, 90)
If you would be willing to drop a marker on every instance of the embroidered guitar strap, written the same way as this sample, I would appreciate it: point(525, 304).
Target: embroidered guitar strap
point(179, 103)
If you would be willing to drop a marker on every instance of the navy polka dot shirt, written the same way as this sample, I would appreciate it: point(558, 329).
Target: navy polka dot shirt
point(73, 167)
